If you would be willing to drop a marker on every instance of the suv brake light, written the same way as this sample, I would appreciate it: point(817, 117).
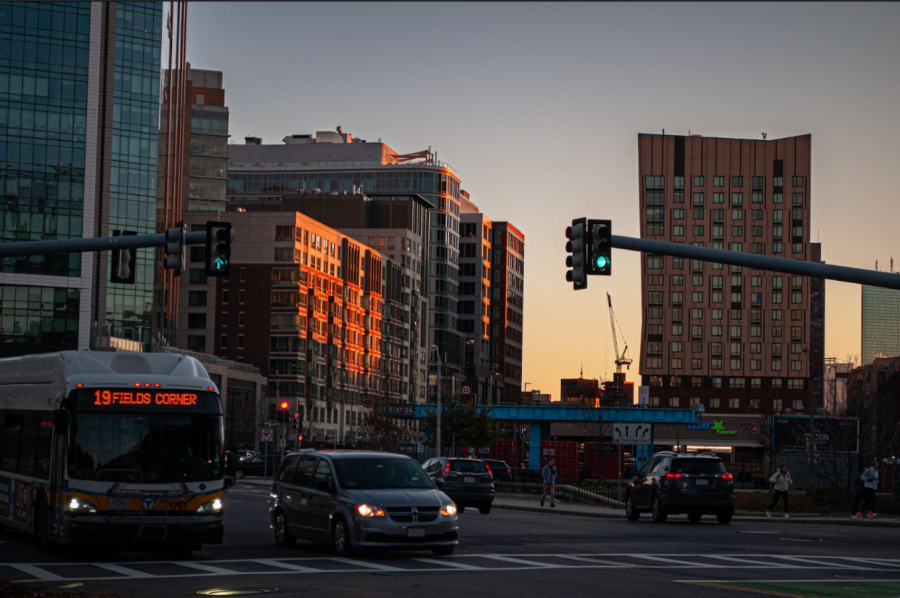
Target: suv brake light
point(490, 473)
point(672, 476)
point(445, 471)
point(727, 476)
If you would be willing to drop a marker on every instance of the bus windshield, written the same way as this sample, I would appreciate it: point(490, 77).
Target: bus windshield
point(161, 448)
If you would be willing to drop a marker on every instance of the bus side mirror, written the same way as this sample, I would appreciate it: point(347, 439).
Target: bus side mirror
point(61, 421)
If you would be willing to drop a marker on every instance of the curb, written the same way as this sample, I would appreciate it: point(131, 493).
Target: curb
point(742, 519)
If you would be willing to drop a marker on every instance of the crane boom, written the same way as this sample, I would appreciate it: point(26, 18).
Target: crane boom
point(620, 359)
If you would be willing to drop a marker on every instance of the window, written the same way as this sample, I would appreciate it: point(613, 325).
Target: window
point(677, 280)
point(698, 181)
point(798, 404)
point(756, 214)
point(677, 298)
point(698, 280)
point(698, 200)
point(673, 401)
point(737, 231)
point(697, 331)
point(677, 363)
point(676, 346)
point(697, 297)
point(718, 181)
point(198, 276)
point(196, 298)
point(718, 198)
point(756, 197)
point(716, 330)
point(223, 342)
point(734, 403)
point(797, 200)
point(757, 182)
point(679, 182)
point(716, 314)
point(677, 330)
point(737, 181)
point(678, 230)
point(797, 181)
point(755, 403)
point(796, 297)
point(714, 403)
point(776, 364)
point(678, 214)
point(737, 214)
point(197, 321)
point(196, 343)
point(737, 200)
point(654, 262)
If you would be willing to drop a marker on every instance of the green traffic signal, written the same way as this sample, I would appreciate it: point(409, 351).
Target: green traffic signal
point(601, 262)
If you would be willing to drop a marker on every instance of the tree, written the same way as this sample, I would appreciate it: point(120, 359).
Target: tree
point(462, 424)
point(379, 431)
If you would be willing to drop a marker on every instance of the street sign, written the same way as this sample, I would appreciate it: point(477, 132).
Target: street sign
point(266, 436)
point(754, 428)
point(632, 433)
point(273, 425)
point(466, 388)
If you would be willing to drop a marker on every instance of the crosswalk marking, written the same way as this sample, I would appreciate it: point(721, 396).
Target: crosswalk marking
point(123, 570)
point(41, 574)
point(325, 564)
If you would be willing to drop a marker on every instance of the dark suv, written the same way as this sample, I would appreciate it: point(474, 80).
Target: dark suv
point(501, 471)
point(671, 483)
point(468, 482)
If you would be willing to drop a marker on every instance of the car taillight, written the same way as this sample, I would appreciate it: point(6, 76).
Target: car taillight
point(490, 473)
point(445, 471)
point(727, 476)
point(673, 476)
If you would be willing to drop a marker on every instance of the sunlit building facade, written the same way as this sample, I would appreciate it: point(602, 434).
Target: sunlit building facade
point(880, 323)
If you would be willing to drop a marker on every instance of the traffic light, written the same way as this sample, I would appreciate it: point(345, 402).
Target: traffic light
point(283, 415)
point(299, 439)
point(600, 262)
point(175, 256)
point(576, 246)
point(218, 248)
point(124, 261)
point(298, 421)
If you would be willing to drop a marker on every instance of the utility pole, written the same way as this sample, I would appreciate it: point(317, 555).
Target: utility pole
point(437, 434)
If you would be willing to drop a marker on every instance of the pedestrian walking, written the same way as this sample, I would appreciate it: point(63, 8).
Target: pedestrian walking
point(548, 473)
point(859, 489)
point(870, 481)
point(781, 482)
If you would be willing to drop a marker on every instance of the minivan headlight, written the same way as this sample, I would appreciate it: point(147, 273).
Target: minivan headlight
point(212, 507)
point(449, 510)
point(367, 511)
point(77, 505)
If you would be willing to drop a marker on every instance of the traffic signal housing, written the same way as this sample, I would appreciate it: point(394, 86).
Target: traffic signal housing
point(218, 248)
point(600, 259)
point(175, 256)
point(283, 415)
point(124, 261)
point(576, 247)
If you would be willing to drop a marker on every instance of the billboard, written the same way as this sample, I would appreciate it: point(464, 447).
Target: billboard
point(833, 434)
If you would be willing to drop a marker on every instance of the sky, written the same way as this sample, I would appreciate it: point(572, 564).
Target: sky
point(538, 107)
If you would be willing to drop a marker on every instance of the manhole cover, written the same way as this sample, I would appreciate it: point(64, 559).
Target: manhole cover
point(236, 591)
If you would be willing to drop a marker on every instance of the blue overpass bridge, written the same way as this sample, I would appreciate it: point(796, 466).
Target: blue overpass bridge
point(539, 419)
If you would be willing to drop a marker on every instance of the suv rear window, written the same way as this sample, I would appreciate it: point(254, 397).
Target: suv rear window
point(697, 466)
point(468, 466)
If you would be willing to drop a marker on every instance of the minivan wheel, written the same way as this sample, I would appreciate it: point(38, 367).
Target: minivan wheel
point(725, 517)
point(239, 475)
point(443, 550)
point(282, 537)
point(630, 512)
point(340, 539)
point(694, 517)
point(659, 515)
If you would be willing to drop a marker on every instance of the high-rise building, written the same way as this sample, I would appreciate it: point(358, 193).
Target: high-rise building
point(302, 302)
point(737, 340)
point(79, 110)
point(334, 162)
point(507, 307)
point(880, 323)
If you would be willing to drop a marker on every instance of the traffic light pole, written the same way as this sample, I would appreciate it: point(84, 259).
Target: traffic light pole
point(760, 262)
point(23, 248)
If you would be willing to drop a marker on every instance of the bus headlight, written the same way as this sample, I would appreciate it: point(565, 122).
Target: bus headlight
point(77, 505)
point(210, 508)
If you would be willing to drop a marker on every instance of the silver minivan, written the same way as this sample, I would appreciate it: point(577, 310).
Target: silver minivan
point(360, 499)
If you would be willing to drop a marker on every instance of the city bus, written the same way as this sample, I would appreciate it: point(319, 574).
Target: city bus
point(108, 448)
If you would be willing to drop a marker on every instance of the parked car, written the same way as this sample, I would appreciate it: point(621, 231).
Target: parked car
point(671, 483)
point(231, 465)
point(245, 454)
point(467, 481)
point(500, 470)
point(360, 499)
point(258, 465)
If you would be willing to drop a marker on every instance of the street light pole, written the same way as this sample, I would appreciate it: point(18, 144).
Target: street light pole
point(437, 435)
point(812, 425)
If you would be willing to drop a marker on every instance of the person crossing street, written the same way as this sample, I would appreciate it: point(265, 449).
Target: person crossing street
point(548, 473)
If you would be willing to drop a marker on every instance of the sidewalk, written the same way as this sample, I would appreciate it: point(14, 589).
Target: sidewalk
point(532, 503)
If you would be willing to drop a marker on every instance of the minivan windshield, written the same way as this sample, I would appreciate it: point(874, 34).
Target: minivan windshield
point(381, 473)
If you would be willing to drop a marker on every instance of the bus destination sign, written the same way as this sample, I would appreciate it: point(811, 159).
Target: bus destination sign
point(145, 397)
point(150, 399)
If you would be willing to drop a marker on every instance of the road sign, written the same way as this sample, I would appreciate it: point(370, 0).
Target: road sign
point(754, 428)
point(632, 433)
point(266, 436)
point(466, 388)
point(273, 425)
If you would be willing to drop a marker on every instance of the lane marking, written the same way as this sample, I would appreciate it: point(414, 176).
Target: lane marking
point(131, 573)
point(747, 561)
point(36, 571)
point(602, 563)
point(815, 561)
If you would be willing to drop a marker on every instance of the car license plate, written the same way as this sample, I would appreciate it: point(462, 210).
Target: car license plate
point(415, 532)
point(468, 480)
point(702, 482)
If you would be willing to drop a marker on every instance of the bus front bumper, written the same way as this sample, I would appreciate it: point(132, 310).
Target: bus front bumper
point(116, 530)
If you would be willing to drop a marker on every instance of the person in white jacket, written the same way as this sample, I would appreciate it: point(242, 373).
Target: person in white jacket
point(781, 482)
point(870, 481)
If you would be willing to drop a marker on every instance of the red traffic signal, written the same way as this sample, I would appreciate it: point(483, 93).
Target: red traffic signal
point(284, 405)
point(299, 437)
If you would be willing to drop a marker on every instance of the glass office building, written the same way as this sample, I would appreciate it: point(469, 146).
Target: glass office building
point(880, 323)
point(78, 125)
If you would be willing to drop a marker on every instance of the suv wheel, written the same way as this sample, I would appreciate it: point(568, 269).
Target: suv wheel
point(485, 509)
point(725, 517)
point(632, 513)
point(239, 475)
point(659, 514)
point(694, 517)
point(282, 537)
point(340, 539)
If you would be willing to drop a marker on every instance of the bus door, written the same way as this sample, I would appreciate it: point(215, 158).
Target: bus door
point(56, 494)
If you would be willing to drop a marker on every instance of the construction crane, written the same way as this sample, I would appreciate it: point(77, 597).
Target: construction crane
point(620, 359)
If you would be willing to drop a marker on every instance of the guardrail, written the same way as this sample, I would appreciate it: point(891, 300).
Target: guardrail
point(584, 491)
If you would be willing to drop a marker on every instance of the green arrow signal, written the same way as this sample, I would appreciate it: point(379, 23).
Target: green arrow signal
point(220, 263)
